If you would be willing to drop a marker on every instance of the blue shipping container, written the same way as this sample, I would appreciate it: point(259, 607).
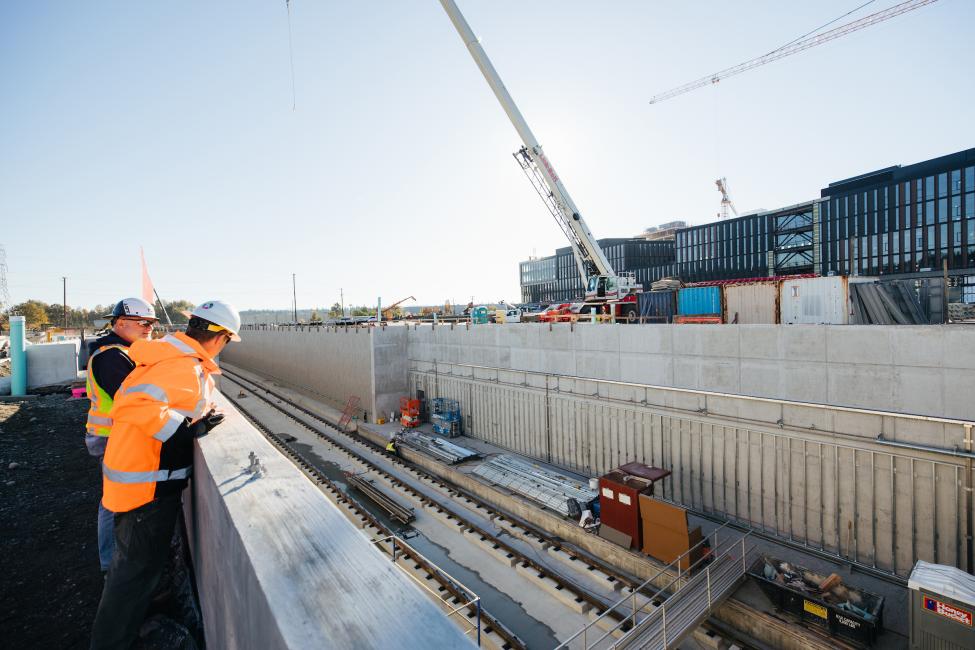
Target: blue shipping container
point(699, 301)
point(657, 306)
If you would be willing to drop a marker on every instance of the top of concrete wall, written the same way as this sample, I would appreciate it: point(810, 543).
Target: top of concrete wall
point(325, 585)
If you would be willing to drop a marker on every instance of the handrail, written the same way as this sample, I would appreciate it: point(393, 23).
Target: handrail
point(475, 599)
point(635, 591)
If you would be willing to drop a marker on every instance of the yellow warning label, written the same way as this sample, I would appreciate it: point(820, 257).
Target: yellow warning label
point(813, 608)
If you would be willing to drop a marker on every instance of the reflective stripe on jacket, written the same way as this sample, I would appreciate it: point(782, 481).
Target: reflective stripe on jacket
point(150, 444)
point(99, 422)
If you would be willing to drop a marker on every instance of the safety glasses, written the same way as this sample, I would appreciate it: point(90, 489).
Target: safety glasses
point(141, 322)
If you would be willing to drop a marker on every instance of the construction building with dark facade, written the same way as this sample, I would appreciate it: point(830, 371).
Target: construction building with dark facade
point(910, 222)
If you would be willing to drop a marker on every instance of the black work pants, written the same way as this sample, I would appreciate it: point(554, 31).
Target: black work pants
point(142, 539)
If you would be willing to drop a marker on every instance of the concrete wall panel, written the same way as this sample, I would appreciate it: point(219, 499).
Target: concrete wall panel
point(801, 472)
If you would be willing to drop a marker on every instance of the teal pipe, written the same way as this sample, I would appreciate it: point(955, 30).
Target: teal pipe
point(18, 357)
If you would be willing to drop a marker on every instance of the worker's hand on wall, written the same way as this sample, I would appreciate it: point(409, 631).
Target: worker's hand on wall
point(205, 424)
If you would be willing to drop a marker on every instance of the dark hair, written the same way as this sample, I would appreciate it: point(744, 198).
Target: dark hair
point(197, 330)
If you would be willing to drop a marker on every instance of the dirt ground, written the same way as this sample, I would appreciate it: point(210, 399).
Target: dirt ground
point(51, 582)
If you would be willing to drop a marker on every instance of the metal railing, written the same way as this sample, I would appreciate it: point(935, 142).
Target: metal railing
point(452, 610)
point(690, 596)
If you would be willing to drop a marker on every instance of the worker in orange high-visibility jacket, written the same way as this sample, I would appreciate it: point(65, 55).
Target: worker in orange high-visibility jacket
point(163, 404)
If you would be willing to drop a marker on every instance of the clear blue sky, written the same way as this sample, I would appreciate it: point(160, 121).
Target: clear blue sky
point(170, 125)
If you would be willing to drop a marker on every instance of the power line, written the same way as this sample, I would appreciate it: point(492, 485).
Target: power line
point(794, 47)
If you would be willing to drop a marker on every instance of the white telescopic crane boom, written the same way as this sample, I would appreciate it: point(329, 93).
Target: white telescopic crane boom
point(589, 257)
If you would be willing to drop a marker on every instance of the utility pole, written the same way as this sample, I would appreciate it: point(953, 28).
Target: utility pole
point(294, 293)
point(64, 299)
point(342, 301)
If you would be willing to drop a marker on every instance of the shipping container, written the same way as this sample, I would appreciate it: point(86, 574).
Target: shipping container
point(753, 303)
point(699, 301)
point(619, 505)
point(814, 301)
point(657, 306)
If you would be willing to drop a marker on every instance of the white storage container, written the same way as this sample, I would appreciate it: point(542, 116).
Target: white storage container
point(815, 301)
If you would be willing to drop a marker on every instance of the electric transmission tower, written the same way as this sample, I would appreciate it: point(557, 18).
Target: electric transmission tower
point(4, 294)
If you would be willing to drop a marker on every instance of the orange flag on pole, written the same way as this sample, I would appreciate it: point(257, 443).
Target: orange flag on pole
point(147, 290)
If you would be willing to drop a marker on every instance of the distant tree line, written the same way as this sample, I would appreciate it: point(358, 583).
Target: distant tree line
point(40, 315)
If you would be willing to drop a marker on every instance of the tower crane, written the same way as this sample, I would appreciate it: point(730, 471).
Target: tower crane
point(726, 203)
point(795, 47)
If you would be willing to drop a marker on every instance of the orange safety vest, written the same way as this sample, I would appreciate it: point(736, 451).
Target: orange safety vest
point(172, 381)
point(99, 421)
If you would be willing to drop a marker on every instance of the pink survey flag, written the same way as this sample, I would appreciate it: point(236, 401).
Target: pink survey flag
point(147, 290)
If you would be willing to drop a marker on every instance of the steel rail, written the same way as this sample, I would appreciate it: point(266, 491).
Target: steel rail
point(523, 560)
point(342, 497)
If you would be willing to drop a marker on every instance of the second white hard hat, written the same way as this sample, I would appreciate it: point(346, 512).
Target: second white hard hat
point(220, 313)
point(134, 307)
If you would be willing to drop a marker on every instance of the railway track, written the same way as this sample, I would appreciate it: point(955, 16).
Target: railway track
point(564, 584)
point(592, 602)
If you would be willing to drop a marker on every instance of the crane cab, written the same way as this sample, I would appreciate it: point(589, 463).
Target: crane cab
point(611, 287)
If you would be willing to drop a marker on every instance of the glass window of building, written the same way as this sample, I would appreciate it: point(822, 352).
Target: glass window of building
point(929, 187)
point(969, 179)
point(942, 210)
point(955, 208)
point(942, 184)
point(955, 183)
point(970, 205)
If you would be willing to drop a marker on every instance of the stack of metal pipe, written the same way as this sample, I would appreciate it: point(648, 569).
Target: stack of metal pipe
point(437, 447)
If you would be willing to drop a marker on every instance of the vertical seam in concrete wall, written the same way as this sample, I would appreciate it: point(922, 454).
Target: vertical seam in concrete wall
point(372, 373)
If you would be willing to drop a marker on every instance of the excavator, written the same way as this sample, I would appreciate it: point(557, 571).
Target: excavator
point(607, 292)
point(388, 311)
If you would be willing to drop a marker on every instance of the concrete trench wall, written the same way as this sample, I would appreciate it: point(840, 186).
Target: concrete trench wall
point(813, 475)
point(927, 370)
point(335, 364)
point(279, 566)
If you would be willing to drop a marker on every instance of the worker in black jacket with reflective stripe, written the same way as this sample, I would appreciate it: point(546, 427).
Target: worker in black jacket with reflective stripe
point(108, 365)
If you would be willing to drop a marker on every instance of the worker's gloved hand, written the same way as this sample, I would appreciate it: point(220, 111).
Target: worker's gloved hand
point(203, 426)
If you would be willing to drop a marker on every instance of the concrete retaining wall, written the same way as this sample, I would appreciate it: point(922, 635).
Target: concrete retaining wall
point(335, 364)
point(52, 363)
point(279, 566)
point(927, 369)
point(812, 474)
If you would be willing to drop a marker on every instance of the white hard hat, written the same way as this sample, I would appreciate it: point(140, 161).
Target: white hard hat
point(136, 307)
point(220, 313)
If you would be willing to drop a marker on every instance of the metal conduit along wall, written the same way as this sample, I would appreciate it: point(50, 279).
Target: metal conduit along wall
point(809, 474)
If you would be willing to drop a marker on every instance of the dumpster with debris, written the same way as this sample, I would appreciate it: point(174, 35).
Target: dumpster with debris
point(847, 612)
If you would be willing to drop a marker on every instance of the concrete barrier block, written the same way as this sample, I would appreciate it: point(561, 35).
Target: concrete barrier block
point(959, 393)
point(959, 347)
point(687, 372)
point(52, 363)
point(760, 377)
point(652, 369)
point(719, 341)
point(858, 344)
point(803, 342)
point(593, 338)
point(598, 365)
point(914, 390)
point(804, 381)
point(687, 340)
point(646, 339)
point(718, 375)
point(918, 346)
point(758, 342)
